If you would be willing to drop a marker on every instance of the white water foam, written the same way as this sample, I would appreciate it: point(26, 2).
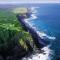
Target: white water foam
point(43, 35)
point(33, 9)
point(46, 55)
point(33, 16)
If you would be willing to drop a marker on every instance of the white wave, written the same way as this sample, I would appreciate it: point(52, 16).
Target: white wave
point(43, 35)
point(32, 17)
point(30, 24)
point(33, 9)
point(46, 55)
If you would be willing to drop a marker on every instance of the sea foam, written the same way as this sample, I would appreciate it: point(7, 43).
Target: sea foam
point(46, 55)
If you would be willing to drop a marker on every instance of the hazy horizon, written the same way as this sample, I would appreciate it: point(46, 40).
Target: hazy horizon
point(28, 1)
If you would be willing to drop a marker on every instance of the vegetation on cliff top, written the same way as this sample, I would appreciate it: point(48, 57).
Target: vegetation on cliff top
point(11, 32)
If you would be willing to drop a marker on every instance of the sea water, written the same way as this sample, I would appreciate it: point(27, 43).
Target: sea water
point(45, 19)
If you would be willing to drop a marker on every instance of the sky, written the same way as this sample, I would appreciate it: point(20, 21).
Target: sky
point(29, 1)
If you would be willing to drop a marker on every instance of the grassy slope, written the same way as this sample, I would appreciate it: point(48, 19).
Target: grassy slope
point(11, 30)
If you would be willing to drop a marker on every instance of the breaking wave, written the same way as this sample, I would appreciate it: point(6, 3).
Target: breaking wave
point(46, 55)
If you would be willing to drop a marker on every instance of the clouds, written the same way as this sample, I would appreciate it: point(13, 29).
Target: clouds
point(29, 1)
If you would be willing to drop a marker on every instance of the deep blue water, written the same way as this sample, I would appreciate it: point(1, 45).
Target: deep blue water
point(48, 21)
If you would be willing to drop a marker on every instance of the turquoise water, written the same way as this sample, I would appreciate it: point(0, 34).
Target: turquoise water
point(48, 21)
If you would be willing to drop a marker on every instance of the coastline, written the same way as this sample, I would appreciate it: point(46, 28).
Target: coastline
point(40, 43)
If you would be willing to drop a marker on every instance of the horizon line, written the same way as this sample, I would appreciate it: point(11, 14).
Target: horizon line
point(26, 2)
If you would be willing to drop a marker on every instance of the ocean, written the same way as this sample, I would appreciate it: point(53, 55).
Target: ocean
point(46, 20)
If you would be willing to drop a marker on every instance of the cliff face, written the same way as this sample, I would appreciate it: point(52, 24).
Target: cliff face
point(40, 43)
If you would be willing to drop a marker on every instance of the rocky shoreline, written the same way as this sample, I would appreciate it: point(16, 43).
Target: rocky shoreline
point(40, 43)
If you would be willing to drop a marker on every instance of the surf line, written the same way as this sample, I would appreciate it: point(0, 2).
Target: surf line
point(39, 42)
